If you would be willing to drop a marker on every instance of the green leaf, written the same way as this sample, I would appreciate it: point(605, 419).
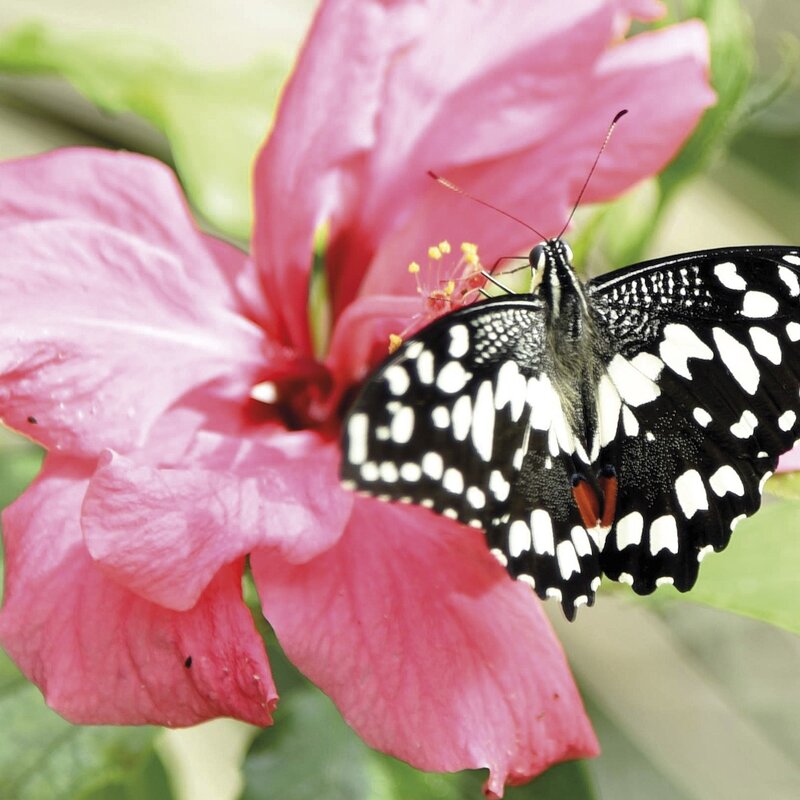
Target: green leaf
point(43, 757)
point(19, 465)
point(785, 485)
point(623, 770)
point(757, 575)
point(309, 754)
point(312, 753)
point(214, 120)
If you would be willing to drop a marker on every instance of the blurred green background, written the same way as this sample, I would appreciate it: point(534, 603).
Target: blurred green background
point(689, 701)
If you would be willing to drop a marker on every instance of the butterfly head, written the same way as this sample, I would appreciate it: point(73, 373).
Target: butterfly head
point(551, 269)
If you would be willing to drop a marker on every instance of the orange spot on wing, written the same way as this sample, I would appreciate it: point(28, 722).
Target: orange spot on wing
point(609, 488)
point(587, 502)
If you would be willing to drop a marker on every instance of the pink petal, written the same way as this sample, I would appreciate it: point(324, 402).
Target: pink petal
point(790, 462)
point(164, 533)
point(99, 653)
point(309, 169)
point(430, 651)
point(101, 331)
point(126, 191)
point(361, 335)
point(640, 75)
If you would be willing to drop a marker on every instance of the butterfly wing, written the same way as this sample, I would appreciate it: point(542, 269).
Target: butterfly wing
point(463, 419)
point(700, 399)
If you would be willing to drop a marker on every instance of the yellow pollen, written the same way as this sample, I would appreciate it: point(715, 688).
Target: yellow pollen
point(394, 342)
point(471, 258)
point(450, 288)
point(444, 246)
point(468, 248)
point(413, 267)
point(435, 253)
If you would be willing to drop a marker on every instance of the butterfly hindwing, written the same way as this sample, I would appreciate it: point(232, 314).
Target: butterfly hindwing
point(706, 374)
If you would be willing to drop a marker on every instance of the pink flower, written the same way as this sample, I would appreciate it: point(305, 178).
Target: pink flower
point(131, 343)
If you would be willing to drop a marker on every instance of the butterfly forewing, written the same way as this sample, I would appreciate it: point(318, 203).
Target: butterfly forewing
point(706, 377)
point(443, 420)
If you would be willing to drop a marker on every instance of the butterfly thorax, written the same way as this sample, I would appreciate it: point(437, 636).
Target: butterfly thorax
point(571, 336)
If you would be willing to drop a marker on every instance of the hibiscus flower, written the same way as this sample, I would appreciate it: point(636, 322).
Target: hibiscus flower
point(132, 343)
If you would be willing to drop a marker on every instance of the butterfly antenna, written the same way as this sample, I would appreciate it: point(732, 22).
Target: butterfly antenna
point(614, 121)
point(450, 185)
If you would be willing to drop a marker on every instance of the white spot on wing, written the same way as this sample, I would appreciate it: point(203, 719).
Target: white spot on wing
point(441, 417)
point(453, 480)
point(542, 529)
point(629, 529)
point(462, 417)
point(567, 559)
point(369, 471)
point(633, 386)
point(679, 345)
point(424, 366)
point(398, 380)
point(413, 349)
point(402, 426)
point(519, 538)
point(410, 472)
point(511, 388)
point(648, 364)
point(691, 493)
point(629, 423)
point(665, 580)
point(758, 305)
point(459, 341)
point(452, 377)
point(789, 277)
point(702, 416)
point(542, 399)
point(704, 551)
point(729, 278)
point(483, 421)
point(792, 258)
point(608, 410)
point(766, 344)
point(475, 497)
point(357, 428)
point(388, 472)
point(737, 359)
point(743, 429)
point(432, 465)
point(498, 485)
point(527, 579)
point(793, 331)
point(664, 535)
point(786, 420)
point(499, 555)
point(580, 539)
point(726, 480)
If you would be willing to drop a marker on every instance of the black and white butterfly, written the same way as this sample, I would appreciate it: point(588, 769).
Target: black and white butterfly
point(619, 427)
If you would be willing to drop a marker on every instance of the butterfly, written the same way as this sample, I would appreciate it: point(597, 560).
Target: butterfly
point(619, 427)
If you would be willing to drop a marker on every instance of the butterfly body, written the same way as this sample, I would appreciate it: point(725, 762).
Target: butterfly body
point(619, 427)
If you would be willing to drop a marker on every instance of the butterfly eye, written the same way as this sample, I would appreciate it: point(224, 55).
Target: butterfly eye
point(538, 257)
